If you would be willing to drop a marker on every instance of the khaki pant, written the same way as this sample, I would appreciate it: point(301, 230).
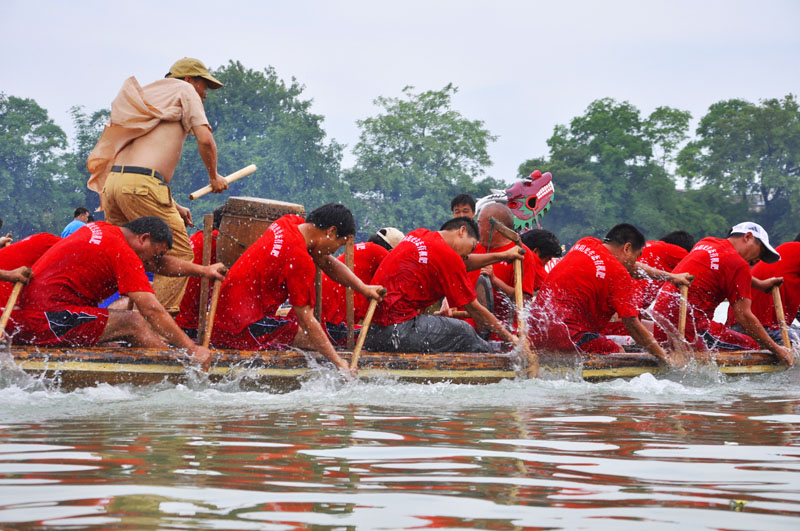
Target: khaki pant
point(129, 196)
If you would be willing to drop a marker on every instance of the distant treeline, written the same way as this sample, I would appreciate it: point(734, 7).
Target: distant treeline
point(609, 165)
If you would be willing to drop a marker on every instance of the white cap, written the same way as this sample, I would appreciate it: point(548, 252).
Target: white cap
point(391, 235)
point(771, 255)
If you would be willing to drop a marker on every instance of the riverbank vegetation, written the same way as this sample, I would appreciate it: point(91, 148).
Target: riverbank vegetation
point(611, 164)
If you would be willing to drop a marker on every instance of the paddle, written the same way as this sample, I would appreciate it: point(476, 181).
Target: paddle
point(530, 353)
point(776, 299)
point(682, 311)
point(373, 303)
point(208, 222)
point(349, 260)
point(12, 301)
point(244, 172)
point(212, 312)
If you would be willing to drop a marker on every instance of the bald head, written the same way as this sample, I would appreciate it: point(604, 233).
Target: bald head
point(501, 213)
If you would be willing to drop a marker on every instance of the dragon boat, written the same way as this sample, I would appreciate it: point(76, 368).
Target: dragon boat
point(281, 371)
point(244, 220)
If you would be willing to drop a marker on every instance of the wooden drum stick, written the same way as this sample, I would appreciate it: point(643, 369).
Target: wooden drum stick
point(244, 172)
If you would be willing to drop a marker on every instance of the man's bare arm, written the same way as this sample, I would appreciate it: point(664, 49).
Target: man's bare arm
point(170, 266)
point(165, 326)
point(645, 271)
point(477, 261)
point(340, 273)
point(316, 337)
point(207, 148)
point(20, 274)
point(753, 328)
point(485, 317)
point(644, 338)
point(766, 284)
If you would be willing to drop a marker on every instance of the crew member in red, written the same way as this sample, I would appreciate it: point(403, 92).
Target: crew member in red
point(545, 247)
point(189, 313)
point(278, 265)
point(423, 268)
point(501, 274)
point(763, 306)
point(585, 289)
point(17, 258)
point(59, 306)
point(367, 257)
point(663, 254)
point(721, 268)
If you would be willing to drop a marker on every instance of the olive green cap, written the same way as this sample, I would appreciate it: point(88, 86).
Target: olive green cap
point(189, 66)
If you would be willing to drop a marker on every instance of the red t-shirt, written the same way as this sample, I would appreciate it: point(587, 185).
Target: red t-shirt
point(539, 272)
point(23, 253)
point(787, 267)
point(366, 259)
point(505, 271)
point(418, 272)
point(661, 255)
point(276, 267)
point(84, 269)
point(190, 303)
point(585, 289)
point(720, 273)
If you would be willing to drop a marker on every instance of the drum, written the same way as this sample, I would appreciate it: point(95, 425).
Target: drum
point(244, 220)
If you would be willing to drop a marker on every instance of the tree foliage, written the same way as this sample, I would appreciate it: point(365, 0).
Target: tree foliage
point(613, 163)
point(610, 164)
point(414, 156)
point(750, 155)
point(257, 118)
point(36, 193)
point(88, 128)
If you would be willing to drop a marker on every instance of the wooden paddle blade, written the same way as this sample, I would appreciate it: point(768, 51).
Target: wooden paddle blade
point(12, 301)
point(683, 309)
point(363, 335)
point(212, 312)
point(780, 314)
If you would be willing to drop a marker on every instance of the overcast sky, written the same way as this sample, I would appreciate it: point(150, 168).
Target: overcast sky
point(521, 66)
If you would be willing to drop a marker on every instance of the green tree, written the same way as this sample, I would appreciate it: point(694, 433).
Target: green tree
point(88, 128)
point(578, 207)
point(259, 119)
point(413, 157)
point(750, 154)
point(35, 192)
point(614, 156)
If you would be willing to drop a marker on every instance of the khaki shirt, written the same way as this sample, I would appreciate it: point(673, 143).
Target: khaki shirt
point(138, 110)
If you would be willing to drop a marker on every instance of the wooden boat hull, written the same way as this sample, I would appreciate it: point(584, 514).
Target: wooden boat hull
point(286, 370)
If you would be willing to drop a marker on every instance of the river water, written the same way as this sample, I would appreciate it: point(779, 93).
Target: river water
point(694, 450)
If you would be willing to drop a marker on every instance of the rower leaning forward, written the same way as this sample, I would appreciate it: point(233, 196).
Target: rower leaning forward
point(134, 161)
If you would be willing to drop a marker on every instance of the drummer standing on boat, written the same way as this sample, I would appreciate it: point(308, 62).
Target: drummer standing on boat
point(134, 161)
